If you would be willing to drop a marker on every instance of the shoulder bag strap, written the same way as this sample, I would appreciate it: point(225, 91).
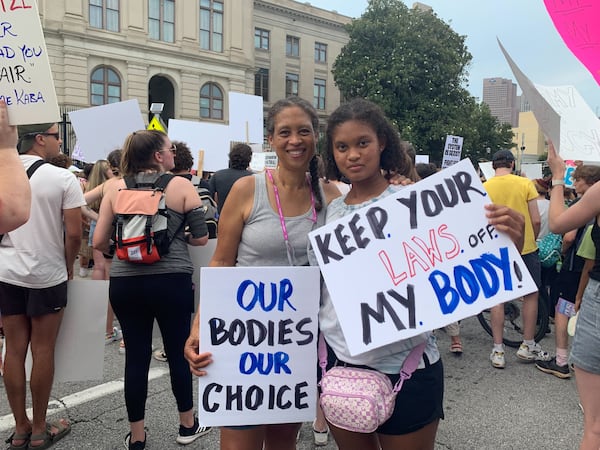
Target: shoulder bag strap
point(35, 167)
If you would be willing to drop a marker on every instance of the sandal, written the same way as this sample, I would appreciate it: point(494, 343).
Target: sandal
point(456, 348)
point(18, 437)
point(48, 439)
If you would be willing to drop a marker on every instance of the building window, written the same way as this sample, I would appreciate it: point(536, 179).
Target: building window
point(292, 46)
point(320, 52)
point(261, 84)
point(261, 39)
point(105, 86)
point(161, 20)
point(291, 84)
point(104, 14)
point(211, 102)
point(319, 94)
point(211, 25)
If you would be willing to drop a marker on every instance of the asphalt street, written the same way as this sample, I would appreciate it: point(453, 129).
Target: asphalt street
point(486, 408)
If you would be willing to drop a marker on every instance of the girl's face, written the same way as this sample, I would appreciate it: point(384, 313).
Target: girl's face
point(357, 150)
point(580, 186)
point(293, 138)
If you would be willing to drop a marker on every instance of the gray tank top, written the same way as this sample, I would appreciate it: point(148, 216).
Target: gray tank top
point(176, 261)
point(262, 242)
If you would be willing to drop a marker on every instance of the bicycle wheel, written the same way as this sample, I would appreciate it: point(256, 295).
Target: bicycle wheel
point(513, 321)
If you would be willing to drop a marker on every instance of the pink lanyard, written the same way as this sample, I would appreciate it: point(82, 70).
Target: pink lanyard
point(288, 246)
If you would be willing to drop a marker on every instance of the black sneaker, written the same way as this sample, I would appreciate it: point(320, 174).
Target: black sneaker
point(189, 435)
point(553, 368)
point(138, 445)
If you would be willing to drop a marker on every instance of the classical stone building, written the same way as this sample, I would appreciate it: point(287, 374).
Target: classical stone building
point(190, 54)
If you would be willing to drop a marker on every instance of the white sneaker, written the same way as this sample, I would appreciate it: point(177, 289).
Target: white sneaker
point(497, 359)
point(532, 353)
point(320, 437)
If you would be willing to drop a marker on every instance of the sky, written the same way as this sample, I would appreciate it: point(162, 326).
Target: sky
point(525, 30)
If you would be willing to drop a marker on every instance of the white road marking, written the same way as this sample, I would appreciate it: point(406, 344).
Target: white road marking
point(70, 401)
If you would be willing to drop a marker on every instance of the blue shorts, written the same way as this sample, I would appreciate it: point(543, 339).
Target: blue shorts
point(585, 349)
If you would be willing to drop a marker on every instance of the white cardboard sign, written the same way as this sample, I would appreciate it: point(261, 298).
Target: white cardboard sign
point(245, 118)
point(452, 150)
point(79, 351)
point(102, 129)
point(417, 260)
point(260, 324)
point(212, 138)
point(26, 83)
point(563, 116)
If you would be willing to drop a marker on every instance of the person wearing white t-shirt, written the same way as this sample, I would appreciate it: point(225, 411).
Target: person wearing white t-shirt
point(36, 260)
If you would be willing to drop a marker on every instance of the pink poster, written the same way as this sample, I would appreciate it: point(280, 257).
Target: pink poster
point(578, 21)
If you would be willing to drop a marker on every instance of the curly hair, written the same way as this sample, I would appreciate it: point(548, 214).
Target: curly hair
point(393, 157)
point(183, 159)
point(240, 156)
point(311, 112)
point(138, 149)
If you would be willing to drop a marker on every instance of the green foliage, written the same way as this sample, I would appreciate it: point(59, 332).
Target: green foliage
point(414, 66)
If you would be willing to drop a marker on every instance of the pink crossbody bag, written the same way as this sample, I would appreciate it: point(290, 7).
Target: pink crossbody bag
point(360, 400)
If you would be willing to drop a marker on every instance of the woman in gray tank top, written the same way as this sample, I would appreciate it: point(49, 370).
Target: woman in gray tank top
point(265, 222)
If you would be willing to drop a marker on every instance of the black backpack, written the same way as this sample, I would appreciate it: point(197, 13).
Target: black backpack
point(211, 214)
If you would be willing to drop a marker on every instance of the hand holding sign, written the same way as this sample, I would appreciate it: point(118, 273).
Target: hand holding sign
point(577, 23)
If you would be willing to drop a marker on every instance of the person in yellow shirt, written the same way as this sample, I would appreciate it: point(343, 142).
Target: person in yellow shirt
point(520, 194)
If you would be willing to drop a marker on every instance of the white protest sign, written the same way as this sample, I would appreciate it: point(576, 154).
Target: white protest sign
point(260, 324)
point(532, 170)
point(102, 129)
point(212, 138)
point(201, 256)
point(26, 83)
point(422, 159)
point(246, 118)
point(452, 150)
point(417, 260)
point(257, 163)
point(487, 169)
point(579, 126)
point(79, 354)
point(547, 118)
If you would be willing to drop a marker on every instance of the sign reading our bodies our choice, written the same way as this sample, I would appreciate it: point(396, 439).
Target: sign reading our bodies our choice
point(260, 324)
point(26, 83)
point(418, 260)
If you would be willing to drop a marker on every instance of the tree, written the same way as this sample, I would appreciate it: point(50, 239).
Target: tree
point(413, 65)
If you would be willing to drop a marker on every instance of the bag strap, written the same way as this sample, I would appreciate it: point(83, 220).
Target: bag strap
point(30, 172)
point(35, 167)
point(409, 365)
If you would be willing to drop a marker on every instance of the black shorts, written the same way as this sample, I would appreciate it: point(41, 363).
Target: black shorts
point(532, 261)
point(419, 402)
point(15, 300)
point(565, 286)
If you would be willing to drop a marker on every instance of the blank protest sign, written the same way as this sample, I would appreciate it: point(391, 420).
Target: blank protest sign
point(260, 324)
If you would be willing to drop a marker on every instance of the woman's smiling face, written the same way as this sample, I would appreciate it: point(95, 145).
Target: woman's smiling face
point(294, 138)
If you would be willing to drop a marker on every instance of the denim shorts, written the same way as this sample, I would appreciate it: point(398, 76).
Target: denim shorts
point(532, 261)
point(585, 350)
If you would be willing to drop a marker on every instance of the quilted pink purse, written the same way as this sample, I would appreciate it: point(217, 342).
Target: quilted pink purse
point(360, 400)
